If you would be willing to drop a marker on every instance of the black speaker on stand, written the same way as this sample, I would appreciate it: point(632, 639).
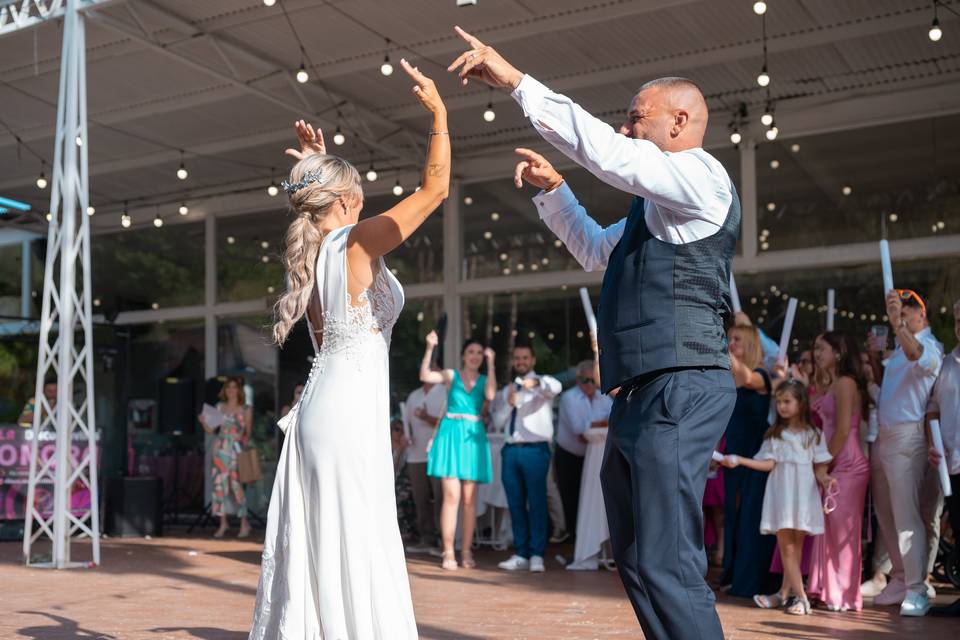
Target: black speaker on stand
point(177, 407)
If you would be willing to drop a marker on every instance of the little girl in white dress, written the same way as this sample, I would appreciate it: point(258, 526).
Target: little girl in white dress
point(795, 453)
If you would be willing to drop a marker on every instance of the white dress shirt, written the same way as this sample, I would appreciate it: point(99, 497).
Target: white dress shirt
point(907, 383)
point(945, 400)
point(420, 431)
point(534, 410)
point(688, 193)
point(577, 412)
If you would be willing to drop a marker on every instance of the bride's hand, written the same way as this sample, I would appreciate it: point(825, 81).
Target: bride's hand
point(311, 142)
point(425, 89)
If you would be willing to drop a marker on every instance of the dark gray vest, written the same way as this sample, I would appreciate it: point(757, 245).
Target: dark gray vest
point(664, 306)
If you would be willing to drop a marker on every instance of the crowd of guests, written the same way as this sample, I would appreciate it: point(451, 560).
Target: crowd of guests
point(812, 452)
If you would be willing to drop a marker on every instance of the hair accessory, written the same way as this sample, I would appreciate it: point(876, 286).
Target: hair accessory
point(308, 177)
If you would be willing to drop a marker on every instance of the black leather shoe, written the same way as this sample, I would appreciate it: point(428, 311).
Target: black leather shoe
point(949, 611)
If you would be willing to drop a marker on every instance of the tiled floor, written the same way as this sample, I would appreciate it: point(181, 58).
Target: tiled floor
point(179, 588)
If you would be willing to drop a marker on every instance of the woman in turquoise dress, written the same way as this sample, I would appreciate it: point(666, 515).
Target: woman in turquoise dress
point(459, 453)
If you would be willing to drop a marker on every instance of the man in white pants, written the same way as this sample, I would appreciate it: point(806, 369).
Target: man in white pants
point(899, 462)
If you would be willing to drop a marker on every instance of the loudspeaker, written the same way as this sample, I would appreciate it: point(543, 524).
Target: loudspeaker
point(134, 506)
point(176, 404)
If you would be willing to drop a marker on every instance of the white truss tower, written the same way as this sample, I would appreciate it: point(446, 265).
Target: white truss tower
point(66, 338)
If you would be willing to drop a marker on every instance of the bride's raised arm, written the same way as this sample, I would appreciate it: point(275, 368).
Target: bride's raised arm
point(381, 234)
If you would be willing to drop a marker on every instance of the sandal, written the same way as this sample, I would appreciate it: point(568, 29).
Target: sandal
point(772, 601)
point(449, 561)
point(467, 561)
point(799, 607)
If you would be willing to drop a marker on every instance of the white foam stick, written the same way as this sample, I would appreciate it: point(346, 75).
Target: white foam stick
point(831, 305)
point(787, 328)
point(886, 266)
point(588, 311)
point(734, 294)
point(942, 467)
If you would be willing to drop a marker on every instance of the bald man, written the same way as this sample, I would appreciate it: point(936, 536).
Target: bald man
point(663, 307)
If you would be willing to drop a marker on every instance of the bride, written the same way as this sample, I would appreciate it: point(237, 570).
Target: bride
point(333, 564)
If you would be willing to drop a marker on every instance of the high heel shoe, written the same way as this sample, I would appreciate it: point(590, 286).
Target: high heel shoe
point(449, 561)
point(467, 561)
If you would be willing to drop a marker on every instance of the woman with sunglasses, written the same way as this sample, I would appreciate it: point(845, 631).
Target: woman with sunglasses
point(839, 402)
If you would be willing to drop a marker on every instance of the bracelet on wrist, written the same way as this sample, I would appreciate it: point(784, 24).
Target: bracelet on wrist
point(439, 133)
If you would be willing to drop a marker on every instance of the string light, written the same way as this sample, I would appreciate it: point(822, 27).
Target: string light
point(48, 216)
point(269, 3)
point(764, 78)
point(772, 133)
point(42, 179)
point(182, 171)
point(774, 164)
point(157, 221)
point(183, 209)
point(302, 75)
point(494, 216)
point(125, 217)
point(771, 206)
point(397, 188)
point(489, 115)
point(759, 8)
point(467, 200)
point(272, 190)
point(735, 136)
point(91, 210)
point(795, 148)
point(371, 173)
point(935, 32)
point(767, 118)
point(79, 141)
point(893, 217)
point(264, 244)
point(386, 68)
point(338, 137)
point(846, 190)
point(487, 235)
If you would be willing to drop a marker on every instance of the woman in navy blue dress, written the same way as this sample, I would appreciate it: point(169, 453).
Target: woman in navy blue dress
point(747, 553)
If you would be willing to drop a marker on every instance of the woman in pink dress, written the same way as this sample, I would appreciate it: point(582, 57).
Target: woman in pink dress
point(839, 400)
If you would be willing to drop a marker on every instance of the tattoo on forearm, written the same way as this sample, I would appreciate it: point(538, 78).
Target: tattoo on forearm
point(436, 170)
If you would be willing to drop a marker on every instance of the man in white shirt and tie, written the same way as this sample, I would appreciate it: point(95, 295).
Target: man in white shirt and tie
point(664, 304)
point(582, 407)
point(421, 413)
point(523, 410)
point(899, 460)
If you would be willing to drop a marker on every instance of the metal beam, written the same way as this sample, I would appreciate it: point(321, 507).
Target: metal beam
point(21, 15)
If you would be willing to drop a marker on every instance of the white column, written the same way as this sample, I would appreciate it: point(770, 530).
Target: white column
point(209, 295)
point(452, 250)
point(25, 265)
point(748, 197)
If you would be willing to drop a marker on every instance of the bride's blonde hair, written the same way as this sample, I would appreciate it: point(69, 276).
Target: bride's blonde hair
point(338, 179)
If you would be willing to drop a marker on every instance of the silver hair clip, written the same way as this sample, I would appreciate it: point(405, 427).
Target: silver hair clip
point(308, 177)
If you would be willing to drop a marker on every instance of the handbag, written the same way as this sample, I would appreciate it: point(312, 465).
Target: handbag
point(249, 466)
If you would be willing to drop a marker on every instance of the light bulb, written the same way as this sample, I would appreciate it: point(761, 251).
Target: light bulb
point(338, 137)
point(772, 133)
point(771, 206)
point(371, 174)
point(941, 224)
point(503, 257)
point(764, 78)
point(795, 147)
point(489, 115)
point(494, 216)
point(264, 244)
point(894, 217)
point(398, 189)
point(765, 232)
point(91, 210)
point(846, 190)
point(558, 243)
point(272, 190)
point(48, 216)
point(182, 172)
point(487, 235)
point(774, 164)
point(231, 239)
point(125, 221)
point(96, 302)
point(79, 141)
point(766, 119)
point(468, 201)
point(935, 32)
point(269, 3)
point(735, 137)
point(41, 181)
point(302, 75)
point(184, 210)
point(759, 8)
point(765, 246)
point(264, 259)
point(386, 68)
point(157, 221)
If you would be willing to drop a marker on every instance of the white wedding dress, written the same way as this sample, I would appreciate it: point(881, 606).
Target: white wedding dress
point(333, 564)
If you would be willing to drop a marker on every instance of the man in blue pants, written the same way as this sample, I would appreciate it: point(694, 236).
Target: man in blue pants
point(663, 306)
point(523, 409)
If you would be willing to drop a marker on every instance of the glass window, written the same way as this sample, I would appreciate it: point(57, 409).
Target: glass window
point(859, 297)
point(11, 257)
point(836, 188)
point(418, 318)
point(147, 268)
point(248, 256)
point(551, 320)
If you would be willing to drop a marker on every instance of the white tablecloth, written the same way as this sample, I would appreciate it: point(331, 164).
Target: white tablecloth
point(592, 530)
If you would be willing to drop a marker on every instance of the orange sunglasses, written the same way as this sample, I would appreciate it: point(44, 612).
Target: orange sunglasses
point(906, 294)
